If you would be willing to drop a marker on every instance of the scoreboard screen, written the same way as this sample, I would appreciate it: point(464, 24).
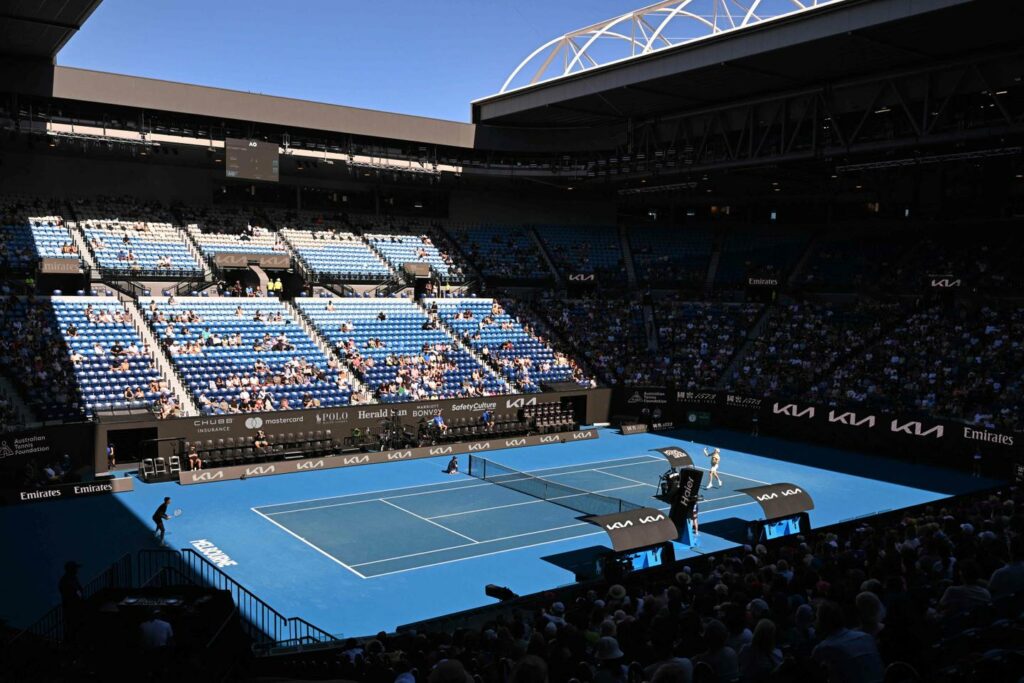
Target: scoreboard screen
point(251, 159)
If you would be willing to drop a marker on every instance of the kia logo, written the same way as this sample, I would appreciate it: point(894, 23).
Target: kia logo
point(399, 455)
point(578, 436)
point(512, 443)
point(619, 525)
point(480, 446)
point(648, 520)
point(440, 450)
point(207, 476)
point(356, 460)
point(310, 465)
point(253, 422)
point(260, 471)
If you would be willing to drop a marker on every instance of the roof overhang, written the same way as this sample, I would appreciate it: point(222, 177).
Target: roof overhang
point(832, 41)
point(38, 29)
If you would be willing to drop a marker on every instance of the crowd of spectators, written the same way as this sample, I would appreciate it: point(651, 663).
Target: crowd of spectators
point(802, 341)
point(697, 341)
point(34, 355)
point(961, 364)
point(888, 598)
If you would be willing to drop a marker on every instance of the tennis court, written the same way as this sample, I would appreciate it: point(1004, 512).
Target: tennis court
point(399, 530)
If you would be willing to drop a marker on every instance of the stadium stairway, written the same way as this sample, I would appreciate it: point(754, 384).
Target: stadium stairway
point(83, 248)
point(752, 335)
point(546, 256)
point(193, 247)
point(627, 257)
point(310, 329)
point(163, 363)
point(798, 267)
point(457, 341)
point(716, 256)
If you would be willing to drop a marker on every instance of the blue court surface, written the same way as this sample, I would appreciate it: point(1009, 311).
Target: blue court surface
point(363, 549)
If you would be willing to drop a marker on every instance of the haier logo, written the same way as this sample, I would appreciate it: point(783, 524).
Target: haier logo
point(916, 429)
point(793, 410)
point(850, 419)
point(520, 402)
point(514, 443)
point(440, 450)
point(579, 436)
point(207, 476)
point(549, 438)
point(650, 519)
point(259, 471)
point(399, 455)
point(309, 465)
point(355, 460)
point(479, 446)
point(253, 422)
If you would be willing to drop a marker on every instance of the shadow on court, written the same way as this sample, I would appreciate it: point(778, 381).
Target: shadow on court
point(39, 537)
point(732, 529)
point(920, 474)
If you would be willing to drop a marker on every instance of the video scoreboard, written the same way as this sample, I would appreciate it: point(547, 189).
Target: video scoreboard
point(251, 159)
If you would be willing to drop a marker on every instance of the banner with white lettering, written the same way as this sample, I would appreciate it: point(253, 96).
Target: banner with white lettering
point(780, 500)
point(636, 528)
point(676, 456)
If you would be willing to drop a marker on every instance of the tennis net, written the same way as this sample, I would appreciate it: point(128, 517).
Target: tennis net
point(587, 502)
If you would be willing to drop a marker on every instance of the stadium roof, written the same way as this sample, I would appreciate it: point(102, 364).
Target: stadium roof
point(38, 29)
point(840, 39)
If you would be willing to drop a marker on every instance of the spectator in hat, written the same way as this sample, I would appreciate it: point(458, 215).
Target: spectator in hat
point(556, 615)
point(610, 668)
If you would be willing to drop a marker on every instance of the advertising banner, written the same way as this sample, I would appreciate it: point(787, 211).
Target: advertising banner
point(636, 528)
point(780, 500)
point(353, 459)
point(76, 490)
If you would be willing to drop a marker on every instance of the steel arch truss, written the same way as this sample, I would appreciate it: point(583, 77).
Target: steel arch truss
point(655, 27)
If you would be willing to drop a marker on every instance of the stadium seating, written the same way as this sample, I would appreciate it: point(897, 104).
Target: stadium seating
point(759, 251)
point(399, 249)
point(672, 255)
point(224, 318)
point(31, 229)
point(403, 335)
point(502, 251)
point(337, 255)
point(697, 340)
point(584, 249)
point(101, 324)
point(854, 260)
point(523, 358)
point(260, 241)
point(136, 248)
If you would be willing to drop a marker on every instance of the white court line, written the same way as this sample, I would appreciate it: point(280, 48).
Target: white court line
point(374, 500)
point(619, 476)
point(587, 465)
point(507, 550)
point(319, 550)
point(533, 502)
point(467, 545)
point(439, 526)
point(756, 481)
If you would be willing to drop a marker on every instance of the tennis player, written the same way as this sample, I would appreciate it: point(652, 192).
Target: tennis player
point(693, 520)
point(159, 516)
point(716, 457)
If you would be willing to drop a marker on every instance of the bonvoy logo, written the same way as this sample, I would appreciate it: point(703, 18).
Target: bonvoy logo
point(520, 402)
point(309, 465)
point(440, 450)
point(207, 476)
point(253, 422)
point(793, 410)
point(915, 428)
point(850, 419)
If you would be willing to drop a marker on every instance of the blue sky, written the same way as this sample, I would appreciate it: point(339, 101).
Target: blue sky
point(429, 58)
